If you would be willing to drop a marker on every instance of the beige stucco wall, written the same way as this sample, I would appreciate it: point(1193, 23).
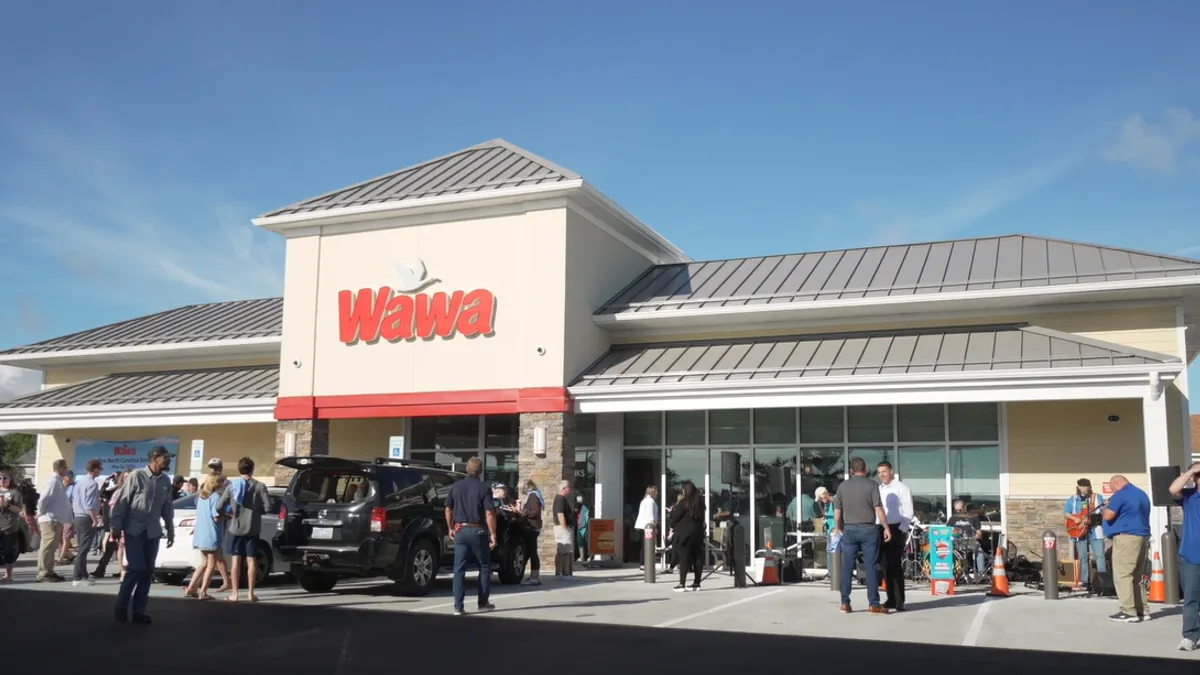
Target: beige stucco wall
point(519, 258)
point(598, 266)
point(363, 439)
point(230, 442)
point(1051, 444)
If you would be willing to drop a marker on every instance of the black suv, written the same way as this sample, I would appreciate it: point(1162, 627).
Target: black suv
point(351, 518)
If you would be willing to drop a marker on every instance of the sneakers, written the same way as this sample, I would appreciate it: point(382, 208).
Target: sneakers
point(84, 582)
point(486, 607)
point(1122, 617)
point(532, 582)
point(460, 612)
point(1186, 645)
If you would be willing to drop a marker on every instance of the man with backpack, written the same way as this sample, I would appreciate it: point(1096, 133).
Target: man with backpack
point(245, 501)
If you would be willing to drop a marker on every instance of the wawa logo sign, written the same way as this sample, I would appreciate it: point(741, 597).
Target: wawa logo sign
point(402, 312)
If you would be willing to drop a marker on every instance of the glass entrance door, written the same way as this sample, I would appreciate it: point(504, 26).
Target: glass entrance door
point(643, 468)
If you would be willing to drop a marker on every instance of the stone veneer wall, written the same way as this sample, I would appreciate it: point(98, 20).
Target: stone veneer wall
point(312, 438)
point(1029, 518)
point(557, 465)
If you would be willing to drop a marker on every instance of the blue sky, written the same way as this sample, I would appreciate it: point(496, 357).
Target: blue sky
point(138, 138)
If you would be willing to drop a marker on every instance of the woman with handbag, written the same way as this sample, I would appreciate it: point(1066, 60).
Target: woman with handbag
point(687, 522)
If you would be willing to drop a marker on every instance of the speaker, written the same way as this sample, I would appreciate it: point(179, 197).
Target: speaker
point(780, 479)
point(731, 468)
point(1161, 478)
point(1102, 585)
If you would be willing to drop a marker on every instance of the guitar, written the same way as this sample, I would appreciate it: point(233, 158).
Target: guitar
point(1079, 524)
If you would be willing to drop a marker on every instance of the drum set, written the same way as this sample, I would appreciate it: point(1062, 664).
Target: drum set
point(973, 558)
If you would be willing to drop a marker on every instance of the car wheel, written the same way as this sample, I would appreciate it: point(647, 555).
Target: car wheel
point(169, 578)
point(512, 570)
point(315, 582)
point(420, 568)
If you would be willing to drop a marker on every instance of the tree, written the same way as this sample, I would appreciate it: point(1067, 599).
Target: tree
point(15, 446)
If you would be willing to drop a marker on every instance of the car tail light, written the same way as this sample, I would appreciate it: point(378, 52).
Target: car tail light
point(282, 512)
point(378, 518)
point(187, 522)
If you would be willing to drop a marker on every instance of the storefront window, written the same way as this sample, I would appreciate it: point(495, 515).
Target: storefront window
point(975, 478)
point(873, 456)
point(643, 429)
point(869, 424)
point(685, 427)
point(585, 476)
point(729, 427)
point(921, 423)
point(585, 431)
point(444, 458)
point(684, 465)
point(774, 426)
point(821, 467)
point(822, 425)
point(923, 470)
point(974, 422)
point(502, 467)
point(445, 433)
point(778, 512)
point(500, 431)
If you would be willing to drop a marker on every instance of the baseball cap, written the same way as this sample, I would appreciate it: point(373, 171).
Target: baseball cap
point(215, 463)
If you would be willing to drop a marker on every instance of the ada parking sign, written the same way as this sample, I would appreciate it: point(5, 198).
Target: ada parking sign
point(396, 447)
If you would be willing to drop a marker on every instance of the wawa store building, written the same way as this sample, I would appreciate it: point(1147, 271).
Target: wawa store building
point(492, 303)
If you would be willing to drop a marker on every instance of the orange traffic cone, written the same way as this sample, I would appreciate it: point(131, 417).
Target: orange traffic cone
point(770, 570)
point(999, 577)
point(1158, 583)
point(883, 585)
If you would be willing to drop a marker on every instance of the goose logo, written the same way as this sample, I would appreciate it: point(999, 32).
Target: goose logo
point(402, 311)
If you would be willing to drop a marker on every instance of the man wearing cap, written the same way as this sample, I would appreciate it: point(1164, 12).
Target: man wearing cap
point(1085, 505)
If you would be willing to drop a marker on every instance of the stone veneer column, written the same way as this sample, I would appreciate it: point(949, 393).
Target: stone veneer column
point(1029, 518)
point(312, 438)
point(557, 465)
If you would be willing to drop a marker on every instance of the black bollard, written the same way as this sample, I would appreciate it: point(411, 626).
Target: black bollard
point(835, 570)
point(648, 552)
point(1050, 564)
point(1170, 563)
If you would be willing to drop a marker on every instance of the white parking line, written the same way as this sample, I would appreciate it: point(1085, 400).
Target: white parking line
point(977, 624)
point(718, 608)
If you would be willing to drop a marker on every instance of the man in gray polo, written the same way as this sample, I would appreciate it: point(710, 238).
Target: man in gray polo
point(142, 513)
point(857, 509)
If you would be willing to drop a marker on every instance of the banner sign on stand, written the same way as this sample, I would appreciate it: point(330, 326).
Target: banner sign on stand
point(602, 536)
point(941, 559)
point(116, 456)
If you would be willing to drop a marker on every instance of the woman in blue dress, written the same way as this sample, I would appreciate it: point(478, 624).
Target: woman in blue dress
point(207, 537)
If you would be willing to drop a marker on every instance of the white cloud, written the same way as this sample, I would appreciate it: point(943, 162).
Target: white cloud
point(105, 207)
point(18, 381)
point(1155, 147)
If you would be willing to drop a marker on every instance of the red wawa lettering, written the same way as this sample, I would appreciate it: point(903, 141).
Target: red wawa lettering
point(123, 451)
point(369, 315)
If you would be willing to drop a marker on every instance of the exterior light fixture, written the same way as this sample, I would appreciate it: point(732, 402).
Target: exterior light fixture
point(539, 441)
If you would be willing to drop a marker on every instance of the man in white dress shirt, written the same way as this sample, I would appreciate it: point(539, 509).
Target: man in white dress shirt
point(898, 506)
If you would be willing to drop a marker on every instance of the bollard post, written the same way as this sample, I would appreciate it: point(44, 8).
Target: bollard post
point(648, 552)
point(1170, 563)
point(835, 570)
point(1050, 564)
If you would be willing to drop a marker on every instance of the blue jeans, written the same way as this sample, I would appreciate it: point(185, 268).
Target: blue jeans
point(141, 551)
point(472, 542)
point(1189, 574)
point(864, 539)
point(1081, 554)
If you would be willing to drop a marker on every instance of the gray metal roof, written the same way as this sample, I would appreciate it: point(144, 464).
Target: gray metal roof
point(1014, 261)
point(493, 165)
point(941, 350)
point(174, 386)
point(189, 324)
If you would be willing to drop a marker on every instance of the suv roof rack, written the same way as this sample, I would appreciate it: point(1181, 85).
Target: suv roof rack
point(454, 467)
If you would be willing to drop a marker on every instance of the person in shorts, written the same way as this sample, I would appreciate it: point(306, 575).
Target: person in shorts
point(248, 501)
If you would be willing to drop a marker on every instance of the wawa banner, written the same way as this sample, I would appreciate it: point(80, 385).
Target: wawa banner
point(116, 456)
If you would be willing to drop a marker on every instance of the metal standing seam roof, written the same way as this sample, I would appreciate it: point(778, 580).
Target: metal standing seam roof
point(493, 165)
point(190, 324)
point(942, 350)
point(246, 383)
point(1013, 261)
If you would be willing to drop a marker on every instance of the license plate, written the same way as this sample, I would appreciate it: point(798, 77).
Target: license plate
point(322, 533)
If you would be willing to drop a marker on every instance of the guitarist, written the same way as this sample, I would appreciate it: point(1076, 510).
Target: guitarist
point(1084, 525)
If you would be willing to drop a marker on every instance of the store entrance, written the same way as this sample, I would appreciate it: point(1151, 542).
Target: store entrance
point(643, 468)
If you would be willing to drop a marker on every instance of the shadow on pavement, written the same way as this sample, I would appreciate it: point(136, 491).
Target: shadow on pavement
point(189, 637)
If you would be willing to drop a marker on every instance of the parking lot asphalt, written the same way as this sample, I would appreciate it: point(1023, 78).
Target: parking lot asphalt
point(600, 621)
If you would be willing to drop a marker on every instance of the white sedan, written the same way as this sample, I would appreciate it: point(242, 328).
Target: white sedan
point(175, 564)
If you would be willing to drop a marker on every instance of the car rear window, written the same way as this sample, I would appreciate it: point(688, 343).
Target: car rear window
point(331, 487)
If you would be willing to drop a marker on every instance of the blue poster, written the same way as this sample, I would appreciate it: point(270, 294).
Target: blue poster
point(116, 456)
point(941, 552)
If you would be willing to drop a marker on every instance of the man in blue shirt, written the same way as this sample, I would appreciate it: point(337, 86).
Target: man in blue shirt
point(85, 506)
point(1127, 523)
point(468, 505)
point(1184, 491)
point(1085, 504)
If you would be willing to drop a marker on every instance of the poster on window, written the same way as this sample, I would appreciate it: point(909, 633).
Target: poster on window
point(116, 456)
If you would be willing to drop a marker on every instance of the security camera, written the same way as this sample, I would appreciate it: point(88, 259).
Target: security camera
point(296, 363)
point(541, 351)
point(1114, 418)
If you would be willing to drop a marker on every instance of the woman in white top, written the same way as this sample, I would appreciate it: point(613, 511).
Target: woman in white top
point(647, 515)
